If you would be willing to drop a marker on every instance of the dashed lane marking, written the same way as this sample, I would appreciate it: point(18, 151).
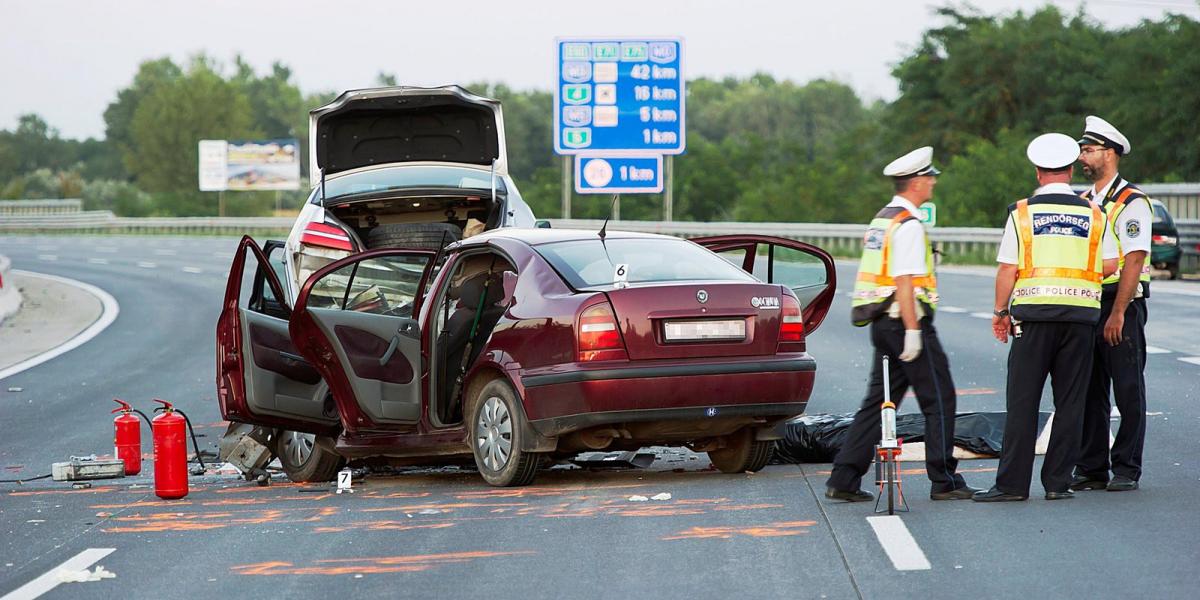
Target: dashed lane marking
point(192, 270)
point(98, 261)
point(47, 257)
point(165, 252)
point(145, 264)
point(49, 580)
point(952, 309)
point(899, 544)
point(1156, 350)
point(982, 315)
point(1195, 360)
point(105, 249)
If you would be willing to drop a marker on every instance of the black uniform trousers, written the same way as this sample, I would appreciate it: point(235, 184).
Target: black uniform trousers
point(1062, 350)
point(929, 377)
point(1120, 367)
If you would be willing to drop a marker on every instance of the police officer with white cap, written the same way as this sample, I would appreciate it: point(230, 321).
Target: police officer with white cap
point(896, 294)
point(1055, 250)
point(1120, 349)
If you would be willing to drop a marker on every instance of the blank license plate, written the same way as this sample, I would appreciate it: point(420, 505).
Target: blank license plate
point(692, 331)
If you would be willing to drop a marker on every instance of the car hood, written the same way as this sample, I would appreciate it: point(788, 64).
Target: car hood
point(378, 126)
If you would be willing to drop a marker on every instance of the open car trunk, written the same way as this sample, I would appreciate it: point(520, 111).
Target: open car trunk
point(465, 209)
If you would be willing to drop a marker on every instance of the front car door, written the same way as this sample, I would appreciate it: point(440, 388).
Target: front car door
point(261, 378)
point(356, 321)
point(803, 268)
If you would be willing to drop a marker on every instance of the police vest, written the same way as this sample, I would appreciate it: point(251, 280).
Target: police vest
point(1059, 266)
point(874, 288)
point(1113, 207)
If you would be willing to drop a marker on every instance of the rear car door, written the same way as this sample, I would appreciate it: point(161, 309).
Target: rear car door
point(261, 378)
point(803, 268)
point(356, 321)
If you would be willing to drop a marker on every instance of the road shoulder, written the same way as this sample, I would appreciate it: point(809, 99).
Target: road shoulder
point(57, 315)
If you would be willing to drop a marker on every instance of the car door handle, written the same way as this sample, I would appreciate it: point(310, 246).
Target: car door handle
point(391, 349)
point(295, 357)
point(408, 330)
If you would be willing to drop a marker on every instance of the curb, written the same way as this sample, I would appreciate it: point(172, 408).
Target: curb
point(10, 297)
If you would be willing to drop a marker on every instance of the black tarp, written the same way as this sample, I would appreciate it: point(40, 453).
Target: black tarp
point(817, 438)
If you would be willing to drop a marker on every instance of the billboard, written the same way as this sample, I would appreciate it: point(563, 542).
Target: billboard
point(249, 165)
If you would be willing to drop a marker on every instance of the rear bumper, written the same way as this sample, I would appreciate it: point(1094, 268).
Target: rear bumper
point(1165, 254)
point(568, 400)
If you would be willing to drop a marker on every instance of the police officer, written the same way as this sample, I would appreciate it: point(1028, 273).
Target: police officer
point(1120, 349)
point(1055, 250)
point(896, 293)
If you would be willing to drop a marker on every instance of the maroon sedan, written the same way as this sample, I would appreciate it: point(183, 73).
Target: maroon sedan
point(525, 347)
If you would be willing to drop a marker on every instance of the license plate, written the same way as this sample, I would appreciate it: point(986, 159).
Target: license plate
point(693, 331)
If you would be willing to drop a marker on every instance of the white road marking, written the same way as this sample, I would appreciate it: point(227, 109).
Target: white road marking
point(1195, 360)
point(105, 249)
point(108, 314)
point(192, 270)
point(145, 264)
point(47, 257)
point(49, 580)
point(1156, 350)
point(165, 252)
point(230, 255)
point(47, 248)
point(899, 544)
point(98, 261)
point(952, 309)
point(982, 315)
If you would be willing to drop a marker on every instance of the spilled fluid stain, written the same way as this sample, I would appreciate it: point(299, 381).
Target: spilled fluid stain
point(356, 566)
point(381, 526)
point(204, 521)
point(780, 529)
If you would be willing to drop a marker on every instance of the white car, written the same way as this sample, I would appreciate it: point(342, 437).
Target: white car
point(401, 167)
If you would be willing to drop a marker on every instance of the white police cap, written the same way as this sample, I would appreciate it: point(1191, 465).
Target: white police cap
point(1052, 151)
point(914, 164)
point(1102, 133)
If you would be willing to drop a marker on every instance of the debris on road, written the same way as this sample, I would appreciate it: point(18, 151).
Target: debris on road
point(614, 460)
point(83, 576)
point(638, 499)
point(662, 496)
point(16, 389)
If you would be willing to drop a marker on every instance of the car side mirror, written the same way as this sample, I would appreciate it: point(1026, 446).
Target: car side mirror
point(542, 224)
point(510, 287)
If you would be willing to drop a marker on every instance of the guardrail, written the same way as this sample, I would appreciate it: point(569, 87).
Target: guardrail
point(40, 207)
point(10, 297)
point(103, 221)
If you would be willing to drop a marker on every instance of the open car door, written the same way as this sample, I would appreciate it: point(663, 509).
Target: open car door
point(803, 268)
point(356, 321)
point(261, 378)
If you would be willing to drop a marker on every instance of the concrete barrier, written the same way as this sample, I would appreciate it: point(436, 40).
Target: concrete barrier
point(10, 297)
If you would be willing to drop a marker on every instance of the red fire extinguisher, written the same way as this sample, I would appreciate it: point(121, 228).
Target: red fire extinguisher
point(170, 453)
point(127, 440)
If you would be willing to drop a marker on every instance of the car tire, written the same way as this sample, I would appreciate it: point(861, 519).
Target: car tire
point(304, 459)
point(1173, 270)
point(741, 453)
point(418, 236)
point(495, 425)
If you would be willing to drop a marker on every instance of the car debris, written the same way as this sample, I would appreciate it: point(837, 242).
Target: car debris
point(88, 467)
point(614, 460)
point(84, 575)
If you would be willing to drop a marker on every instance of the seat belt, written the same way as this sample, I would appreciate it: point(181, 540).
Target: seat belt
point(466, 357)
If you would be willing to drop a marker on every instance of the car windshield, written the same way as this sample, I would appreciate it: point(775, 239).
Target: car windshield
point(411, 176)
point(590, 263)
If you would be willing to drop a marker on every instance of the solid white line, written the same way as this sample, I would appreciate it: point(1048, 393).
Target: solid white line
point(952, 309)
point(899, 544)
point(47, 257)
point(1156, 350)
point(982, 315)
point(49, 580)
point(98, 261)
point(145, 264)
point(192, 270)
point(109, 314)
point(1195, 360)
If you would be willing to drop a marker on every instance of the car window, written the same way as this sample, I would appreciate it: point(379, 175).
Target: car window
point(385, 285)
point(801, 272)
point(1160, 214)
point(412, 176)
point(735, 256)
point(590, 263)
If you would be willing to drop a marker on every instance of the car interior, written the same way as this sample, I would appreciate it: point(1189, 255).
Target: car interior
point(457, 210)
point(472, 302)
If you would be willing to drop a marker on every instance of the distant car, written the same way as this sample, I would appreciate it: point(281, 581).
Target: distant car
point(401, 166)
point(523, 347)
point(1164, 240)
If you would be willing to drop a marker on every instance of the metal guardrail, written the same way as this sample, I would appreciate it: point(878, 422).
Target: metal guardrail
point(40, 207)
point(103, 221)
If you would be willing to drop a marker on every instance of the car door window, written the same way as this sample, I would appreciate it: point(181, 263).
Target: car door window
point(262, 297)
point(802, 272)
point(385, 285)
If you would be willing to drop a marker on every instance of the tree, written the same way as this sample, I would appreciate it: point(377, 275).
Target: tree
point(118, 117)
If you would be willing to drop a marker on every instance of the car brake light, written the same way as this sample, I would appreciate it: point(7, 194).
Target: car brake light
point(1164, 239)
point(599, 337)
point(791, 326)
point(326, 236)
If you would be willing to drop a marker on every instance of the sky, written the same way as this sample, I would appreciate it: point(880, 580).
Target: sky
point(66, 60)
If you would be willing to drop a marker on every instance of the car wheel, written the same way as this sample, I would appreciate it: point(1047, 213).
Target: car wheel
point(1173, 269)
point(303, 459)
point(741, 453)
point(422, 236)
point(496, 438)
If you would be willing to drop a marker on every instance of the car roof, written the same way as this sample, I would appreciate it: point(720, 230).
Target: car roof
point(535, 237)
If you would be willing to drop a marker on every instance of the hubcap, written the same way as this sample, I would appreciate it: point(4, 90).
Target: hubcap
point(298, 446)
point(493, 434)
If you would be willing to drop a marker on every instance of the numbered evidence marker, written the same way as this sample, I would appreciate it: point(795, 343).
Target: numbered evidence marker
point(343, 481)
point(621, 275)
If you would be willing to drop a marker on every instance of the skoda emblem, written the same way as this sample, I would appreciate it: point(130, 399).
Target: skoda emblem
point(710, 411)
point(701, 296)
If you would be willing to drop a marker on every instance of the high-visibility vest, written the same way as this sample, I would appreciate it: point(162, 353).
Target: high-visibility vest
point(1113, 207)
point(1059, 266)
point(875, 287)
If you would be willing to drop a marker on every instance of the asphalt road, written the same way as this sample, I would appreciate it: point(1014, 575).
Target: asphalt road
point(443, 533)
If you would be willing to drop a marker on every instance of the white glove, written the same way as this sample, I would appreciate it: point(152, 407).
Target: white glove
point(912, 345)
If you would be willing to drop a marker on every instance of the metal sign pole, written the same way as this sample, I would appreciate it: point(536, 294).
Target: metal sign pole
point(221, 203)
point(566, 187)
point(669, 193)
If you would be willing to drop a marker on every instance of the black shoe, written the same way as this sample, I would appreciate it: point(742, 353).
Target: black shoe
point(995, 495)
point(851, 496)
point(1082, 482)
point(965, 492)
point(1063, 495)
point(1120, 483)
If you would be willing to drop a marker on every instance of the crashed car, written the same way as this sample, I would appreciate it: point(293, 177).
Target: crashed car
point(520, 348)
point(401, 167)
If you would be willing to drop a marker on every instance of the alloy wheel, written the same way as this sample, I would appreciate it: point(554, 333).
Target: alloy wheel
point(493, 434)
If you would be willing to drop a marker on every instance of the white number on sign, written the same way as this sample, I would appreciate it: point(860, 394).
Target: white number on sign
point(343, 480)
point(621, 275)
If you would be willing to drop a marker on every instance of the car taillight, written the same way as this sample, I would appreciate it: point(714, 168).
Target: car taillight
point(791, 322)
point(1169, 240)
point(599, 336)
point(326, 236)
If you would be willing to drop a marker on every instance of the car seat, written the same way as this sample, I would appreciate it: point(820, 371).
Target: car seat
point(452, 342)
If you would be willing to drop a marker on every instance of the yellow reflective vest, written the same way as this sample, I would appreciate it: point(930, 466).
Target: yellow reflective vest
point(1059, 265)
point(1113, 204)
point(875, 288)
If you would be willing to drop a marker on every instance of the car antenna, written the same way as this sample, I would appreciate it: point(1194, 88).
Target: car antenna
point(610, 212)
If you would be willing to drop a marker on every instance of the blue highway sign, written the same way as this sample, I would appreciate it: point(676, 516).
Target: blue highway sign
point(615, 94)
point(618, 174)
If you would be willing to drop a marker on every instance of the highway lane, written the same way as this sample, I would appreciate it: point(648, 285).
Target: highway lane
point(573, 533)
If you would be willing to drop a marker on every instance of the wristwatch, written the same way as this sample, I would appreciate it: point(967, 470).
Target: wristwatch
point(1000, 313)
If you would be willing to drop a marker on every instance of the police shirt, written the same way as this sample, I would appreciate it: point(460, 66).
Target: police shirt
point(1008, 243)
point(908, 243)
point(1133, 224)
